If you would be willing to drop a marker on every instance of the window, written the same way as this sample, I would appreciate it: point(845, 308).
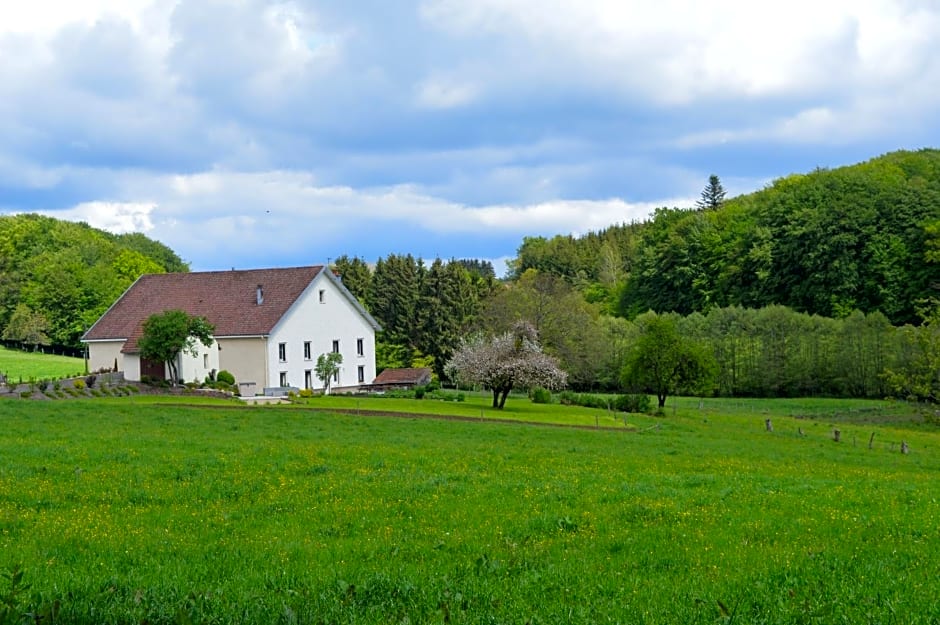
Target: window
point(336, 378)
point(336, 346)
point(360, 347)
point(205, 361)
point(307, 350)
point(362, 374)
point(284, 379)
point(308, 379)
point(322, 296)
point(282, 352)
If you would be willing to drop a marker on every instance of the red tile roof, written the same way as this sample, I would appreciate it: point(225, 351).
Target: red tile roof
point(404, 376)
point(228, 299)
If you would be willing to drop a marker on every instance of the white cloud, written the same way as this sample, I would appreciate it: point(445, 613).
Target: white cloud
point(46, 17)
point(443, 94)
point(677, 51)
point(116, 217)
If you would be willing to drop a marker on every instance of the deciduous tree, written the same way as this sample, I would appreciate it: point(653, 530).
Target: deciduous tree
point(27, 326)
point(327, 367)
point(168, 334)
point(501, 363)
point(663, 362)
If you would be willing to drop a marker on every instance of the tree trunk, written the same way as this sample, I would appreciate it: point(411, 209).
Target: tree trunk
point(496, 398)
point(502, 400)
point(662, 400)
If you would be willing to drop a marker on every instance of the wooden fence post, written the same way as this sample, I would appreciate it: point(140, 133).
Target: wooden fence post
point(768, 425)
point(836, 435)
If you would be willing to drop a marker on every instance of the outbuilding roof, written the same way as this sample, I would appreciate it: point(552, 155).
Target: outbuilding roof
point(412, 376)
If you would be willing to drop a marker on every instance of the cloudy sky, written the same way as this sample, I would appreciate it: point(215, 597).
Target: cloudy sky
point(251, 133)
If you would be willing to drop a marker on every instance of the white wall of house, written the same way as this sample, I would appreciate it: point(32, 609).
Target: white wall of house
point(131, 367)
point(196, 368)
point(102, 354)
point(320, 316)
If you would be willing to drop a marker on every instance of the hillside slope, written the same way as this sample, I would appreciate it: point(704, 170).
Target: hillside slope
point(863, 237)
point(59, 276)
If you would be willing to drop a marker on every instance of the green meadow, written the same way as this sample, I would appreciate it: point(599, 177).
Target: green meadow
point(21, 365)
point(136, 511)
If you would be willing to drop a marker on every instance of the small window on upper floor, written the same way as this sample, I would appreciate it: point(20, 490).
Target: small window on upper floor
point(205, 361)
point(282, 352)
point(322, 296)
point(336, 346)
point(307, 352)
point(360, 347)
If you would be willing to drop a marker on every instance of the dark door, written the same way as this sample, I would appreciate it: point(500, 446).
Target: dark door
point(156, 370)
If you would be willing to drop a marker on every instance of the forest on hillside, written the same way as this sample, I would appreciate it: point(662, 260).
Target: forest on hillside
point(823, 283)
point(57, 277)
point(864, 237)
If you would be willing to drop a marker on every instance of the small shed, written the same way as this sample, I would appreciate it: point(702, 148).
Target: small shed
point(391, 379)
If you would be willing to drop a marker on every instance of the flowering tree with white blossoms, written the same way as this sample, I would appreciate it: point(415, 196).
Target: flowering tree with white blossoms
point(506, 361)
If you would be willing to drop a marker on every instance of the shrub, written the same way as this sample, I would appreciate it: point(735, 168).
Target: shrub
point(26, 394)
point(56, 385)
point(420, 391)
point(225, 376)
point(633, 402)
point(461, 397)
point(96, 392)
point(43, 385)
point(541, 395)
point(79, 384)
point(90, 380)
point(567, 398)
point(306, 393)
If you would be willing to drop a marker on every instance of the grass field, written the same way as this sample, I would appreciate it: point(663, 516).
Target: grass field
point(17, 364)
point(131, 511)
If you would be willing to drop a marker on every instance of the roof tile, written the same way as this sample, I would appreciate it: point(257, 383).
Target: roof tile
point(228, 299)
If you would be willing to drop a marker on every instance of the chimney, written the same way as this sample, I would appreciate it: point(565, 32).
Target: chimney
point(260, 295)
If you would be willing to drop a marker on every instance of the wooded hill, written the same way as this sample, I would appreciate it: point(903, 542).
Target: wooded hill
point(57, 277)
point(864, 237)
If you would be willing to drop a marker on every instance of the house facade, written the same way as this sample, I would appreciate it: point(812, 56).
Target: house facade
point(270, 327)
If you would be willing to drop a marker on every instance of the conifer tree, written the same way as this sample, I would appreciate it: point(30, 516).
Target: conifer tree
point(712, 195)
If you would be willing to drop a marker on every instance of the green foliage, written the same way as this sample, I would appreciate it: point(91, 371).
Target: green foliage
point(69, 273)
point(327, 367)
point(586, 400)
point(916, 374)
point(226, 377)
point(27, 326)
point(78, 384)
point(713, 195)
point(540, 395)
point(355, 276)
point(424, 311)
point(663, 362)
point(168, 334)
point(829, 242)
point(633, 402)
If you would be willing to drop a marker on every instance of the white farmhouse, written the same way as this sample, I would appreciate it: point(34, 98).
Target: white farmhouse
point(270, 327)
